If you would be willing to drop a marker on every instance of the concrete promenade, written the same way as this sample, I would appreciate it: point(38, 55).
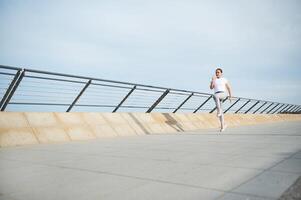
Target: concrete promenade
point(252, 162)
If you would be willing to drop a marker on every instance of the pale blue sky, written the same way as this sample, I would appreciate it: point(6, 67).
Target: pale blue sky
point(172, 43)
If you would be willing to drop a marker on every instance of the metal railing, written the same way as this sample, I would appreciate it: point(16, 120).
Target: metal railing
point(34, 90)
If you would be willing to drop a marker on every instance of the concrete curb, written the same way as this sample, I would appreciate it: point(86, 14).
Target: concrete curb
point(22, 128)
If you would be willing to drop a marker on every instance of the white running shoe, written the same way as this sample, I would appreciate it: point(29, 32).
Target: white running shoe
point(224, 128)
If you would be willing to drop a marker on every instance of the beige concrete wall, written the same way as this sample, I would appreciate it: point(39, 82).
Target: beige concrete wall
point(17, 128)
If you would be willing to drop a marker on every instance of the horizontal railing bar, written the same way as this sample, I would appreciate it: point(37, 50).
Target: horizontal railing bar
point(40, 96)
point(111, 81)
point(111, 106)
point(41, 104)
point(68, 97)
point(32, 82)
point(10, 67)
point(164, 108)
point(200, 96)
point(44, 99)
point(106, 85)
point(287, 105)
point(258, 100)
point(26, 103)
point(41, 99)
point(280, 107)
point(53, 79)
point(86, 77)
point(106, 80)
point(60, 74)
point(82, 105)
point(88, 97)
point(171, 102)
point(183, 108)
point(187, 94)
point(95, 105)
point(37, 91)
point(150, 90)
point(177, 93)
point(107, 97)
point(65, 87)
point(7, 74)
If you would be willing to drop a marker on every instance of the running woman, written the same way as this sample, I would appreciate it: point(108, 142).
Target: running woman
point(220, 84)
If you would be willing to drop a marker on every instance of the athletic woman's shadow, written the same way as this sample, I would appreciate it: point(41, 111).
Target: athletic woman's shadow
point(172, 122)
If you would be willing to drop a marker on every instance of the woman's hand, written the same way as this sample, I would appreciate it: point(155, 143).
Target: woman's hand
point(212, 82)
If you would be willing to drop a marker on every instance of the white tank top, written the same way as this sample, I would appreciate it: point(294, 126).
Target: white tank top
point(220, 84)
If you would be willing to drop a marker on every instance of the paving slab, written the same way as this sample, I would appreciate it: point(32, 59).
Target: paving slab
point(268, 184)
point(253, 162)
point(294, 192)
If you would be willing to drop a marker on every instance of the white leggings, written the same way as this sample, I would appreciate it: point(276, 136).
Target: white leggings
point(219, 98)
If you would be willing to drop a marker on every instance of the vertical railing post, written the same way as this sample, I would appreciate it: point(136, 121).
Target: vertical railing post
point(203, 104)
point(243, 106)
point(273, 108)
point(291, 108)
point(12, 88)
point(260, 107)
point(183, 103)
point(266, 108)
point(252, 107)
point(79, 95)
point(281, 111)
point(232, 105)
point(278, 109)
point(216, 107)
point(158, 101)
point(125, 98)
point(294, 110)
point(8, 90)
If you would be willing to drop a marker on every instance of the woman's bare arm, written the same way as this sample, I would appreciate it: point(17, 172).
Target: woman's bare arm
point(229, 90)
point(212, 82)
